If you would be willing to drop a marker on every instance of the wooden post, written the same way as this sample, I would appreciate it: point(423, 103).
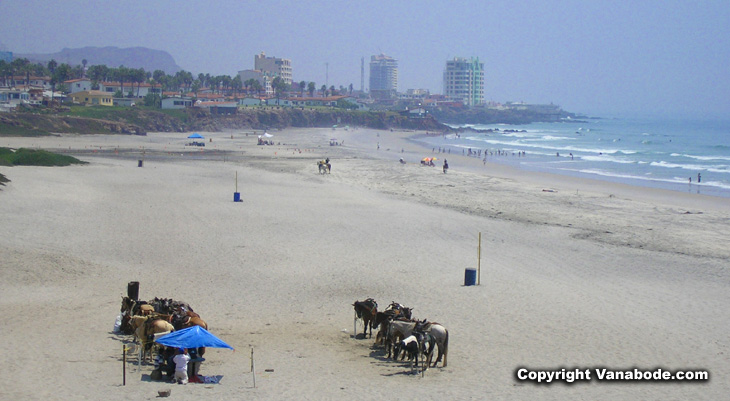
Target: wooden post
point(479, 260)
point(253, 369)
point(124, 365)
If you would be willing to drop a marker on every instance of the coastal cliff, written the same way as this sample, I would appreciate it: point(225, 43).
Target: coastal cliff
point(140, 120)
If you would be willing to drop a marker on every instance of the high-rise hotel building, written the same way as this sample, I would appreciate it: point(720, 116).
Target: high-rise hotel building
point(464, 80)
point(274, 67)
point(383, 76)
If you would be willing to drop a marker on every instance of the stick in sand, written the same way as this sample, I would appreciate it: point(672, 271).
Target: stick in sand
point(253, 369)
point(479, 260)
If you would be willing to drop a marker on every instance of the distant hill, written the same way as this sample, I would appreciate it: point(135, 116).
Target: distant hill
point(132, 57)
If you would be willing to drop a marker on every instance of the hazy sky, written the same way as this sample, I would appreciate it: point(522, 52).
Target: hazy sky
point(595, 57)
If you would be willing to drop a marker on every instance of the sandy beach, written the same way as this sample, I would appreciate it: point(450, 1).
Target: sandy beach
point(575, 273)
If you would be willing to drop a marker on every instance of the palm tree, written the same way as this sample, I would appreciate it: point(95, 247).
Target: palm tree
point(279, 87)
point(302, 86)
point(324, 90)
point(52, 68)
point(20, 66)
point(236, 84)
point(4, 70)
point(311, 87)
point(141, 77)
point(257, 86)
point(226, 80)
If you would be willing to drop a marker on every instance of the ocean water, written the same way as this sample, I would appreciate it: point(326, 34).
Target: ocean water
point(662, 153)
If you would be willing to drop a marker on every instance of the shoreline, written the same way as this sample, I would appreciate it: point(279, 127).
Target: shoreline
point(636, 181)
point(590, 274)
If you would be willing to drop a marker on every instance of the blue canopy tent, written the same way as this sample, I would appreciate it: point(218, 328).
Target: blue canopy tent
point(192, 337)
point(196, 136)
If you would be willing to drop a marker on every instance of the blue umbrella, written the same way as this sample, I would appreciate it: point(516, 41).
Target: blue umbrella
point(196, 135)
point(192, 337)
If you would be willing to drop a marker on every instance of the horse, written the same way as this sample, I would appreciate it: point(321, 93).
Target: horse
point(382, 319)
point(189, 319)
point(399, 310)
point(441, 336)
point(366, 310)
point(145, 333)
point(183, 320)
point(397, 331)
point(415, 345)
point(324, 167)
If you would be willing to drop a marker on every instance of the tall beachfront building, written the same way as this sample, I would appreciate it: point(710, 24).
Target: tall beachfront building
point(275, 67)
point(464, 80)
point(383, 76)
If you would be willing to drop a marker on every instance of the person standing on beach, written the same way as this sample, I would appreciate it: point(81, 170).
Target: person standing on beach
point(699, 178)
point(446, 166)
point(181, 366)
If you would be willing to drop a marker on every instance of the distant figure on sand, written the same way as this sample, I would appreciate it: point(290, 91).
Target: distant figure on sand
point(446, 166)
point(699, 178)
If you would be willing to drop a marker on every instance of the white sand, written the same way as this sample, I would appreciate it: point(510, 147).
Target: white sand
point(593, 274)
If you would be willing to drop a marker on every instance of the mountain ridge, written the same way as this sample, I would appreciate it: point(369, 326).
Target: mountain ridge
point(111, 56)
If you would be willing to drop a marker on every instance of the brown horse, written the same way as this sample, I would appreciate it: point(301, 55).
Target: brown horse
point(190, 319)
point(147, 329)
point(366, 310)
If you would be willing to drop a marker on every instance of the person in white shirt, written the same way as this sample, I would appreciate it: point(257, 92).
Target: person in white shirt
point(181, 366)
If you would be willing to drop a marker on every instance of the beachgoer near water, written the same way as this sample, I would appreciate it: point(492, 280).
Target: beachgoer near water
point(446, 166)
point(699, 178)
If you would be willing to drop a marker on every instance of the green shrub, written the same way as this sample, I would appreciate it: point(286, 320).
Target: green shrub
point(31, 157)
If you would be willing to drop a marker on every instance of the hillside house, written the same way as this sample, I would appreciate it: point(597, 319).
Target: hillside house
point(78, 85)
point(92, 98)
point(177, 102)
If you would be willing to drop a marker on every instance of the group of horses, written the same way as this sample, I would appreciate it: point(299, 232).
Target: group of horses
point(145, 319)
point(401, 335)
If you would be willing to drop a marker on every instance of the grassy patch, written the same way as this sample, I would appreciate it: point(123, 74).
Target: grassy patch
point(31, 157)
point(21, 130)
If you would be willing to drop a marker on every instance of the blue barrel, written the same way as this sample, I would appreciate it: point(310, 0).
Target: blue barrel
point(470, 277)
point(236, 196)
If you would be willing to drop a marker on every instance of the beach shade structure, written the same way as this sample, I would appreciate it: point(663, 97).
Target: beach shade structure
point(267, 135)
point(192, 337)
point(196, 136)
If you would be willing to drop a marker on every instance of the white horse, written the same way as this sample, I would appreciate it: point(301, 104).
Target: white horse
point(441, 336)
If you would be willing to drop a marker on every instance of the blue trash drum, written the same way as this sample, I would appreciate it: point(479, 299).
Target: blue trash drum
point(470, 277)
